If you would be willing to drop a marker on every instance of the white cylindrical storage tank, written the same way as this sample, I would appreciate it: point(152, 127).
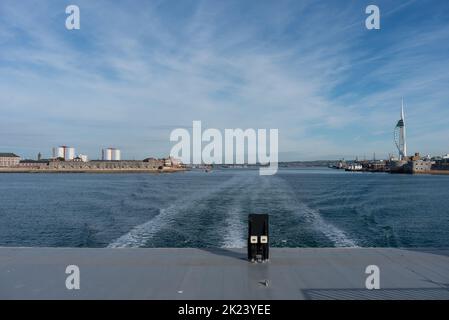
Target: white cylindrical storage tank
point(116, 154)
point(58, 152)
point(69, 153)
point(107, 154)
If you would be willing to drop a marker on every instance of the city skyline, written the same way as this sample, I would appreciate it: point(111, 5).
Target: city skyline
point(129, 77)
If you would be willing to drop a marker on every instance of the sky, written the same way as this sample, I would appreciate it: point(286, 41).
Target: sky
point(136, 70)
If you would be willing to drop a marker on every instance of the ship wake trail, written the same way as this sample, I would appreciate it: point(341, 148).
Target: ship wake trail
point(311, 216)
point(142, 233)
point(336, 235)
point(235, 230)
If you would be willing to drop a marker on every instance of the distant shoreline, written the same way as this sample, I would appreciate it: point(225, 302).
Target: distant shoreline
point(97, 171)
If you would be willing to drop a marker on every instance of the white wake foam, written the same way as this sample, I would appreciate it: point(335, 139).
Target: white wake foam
point(142, 233)
point(234, 236)
point(234, 232)
point(333, 233)
point(336, 235)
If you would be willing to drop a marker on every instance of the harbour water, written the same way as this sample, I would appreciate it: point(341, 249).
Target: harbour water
point(307, 207)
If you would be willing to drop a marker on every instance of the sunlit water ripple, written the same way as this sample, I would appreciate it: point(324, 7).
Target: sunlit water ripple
point(307, 208)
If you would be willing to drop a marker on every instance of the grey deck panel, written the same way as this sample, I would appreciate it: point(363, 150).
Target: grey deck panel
point(172, 273)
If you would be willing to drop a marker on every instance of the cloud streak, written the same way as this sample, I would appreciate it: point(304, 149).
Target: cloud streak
point(134, 71)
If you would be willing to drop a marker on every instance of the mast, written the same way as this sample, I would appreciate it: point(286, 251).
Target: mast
point(403, 133)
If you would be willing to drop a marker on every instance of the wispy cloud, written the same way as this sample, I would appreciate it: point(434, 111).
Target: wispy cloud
point(137, 69)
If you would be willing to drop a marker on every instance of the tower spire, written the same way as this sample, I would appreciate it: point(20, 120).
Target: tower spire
point(402, 109)
point(400, 136)
point(403, 133)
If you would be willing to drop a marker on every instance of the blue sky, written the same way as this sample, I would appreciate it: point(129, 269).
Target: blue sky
point(138, 69)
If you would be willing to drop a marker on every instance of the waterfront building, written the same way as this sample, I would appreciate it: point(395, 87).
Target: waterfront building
point(9, 160)
point(413, 164)
point(441, 164)
point(176, 162)
point(172, 162)
point(377, 166)
point(35, 164)
point(98, 165)
point(83, 157)
point(416, 164)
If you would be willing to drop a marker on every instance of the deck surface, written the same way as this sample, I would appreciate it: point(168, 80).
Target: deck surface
point(169, 273)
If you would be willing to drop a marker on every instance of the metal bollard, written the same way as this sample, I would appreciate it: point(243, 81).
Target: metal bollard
point(258, 242)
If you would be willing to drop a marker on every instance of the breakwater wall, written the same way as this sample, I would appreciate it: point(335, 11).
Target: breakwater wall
point(125, 166)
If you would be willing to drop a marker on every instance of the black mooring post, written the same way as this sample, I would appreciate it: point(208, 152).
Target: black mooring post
point(258, 241)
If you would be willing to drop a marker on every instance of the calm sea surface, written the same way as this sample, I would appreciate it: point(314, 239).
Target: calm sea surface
point(307, 207)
